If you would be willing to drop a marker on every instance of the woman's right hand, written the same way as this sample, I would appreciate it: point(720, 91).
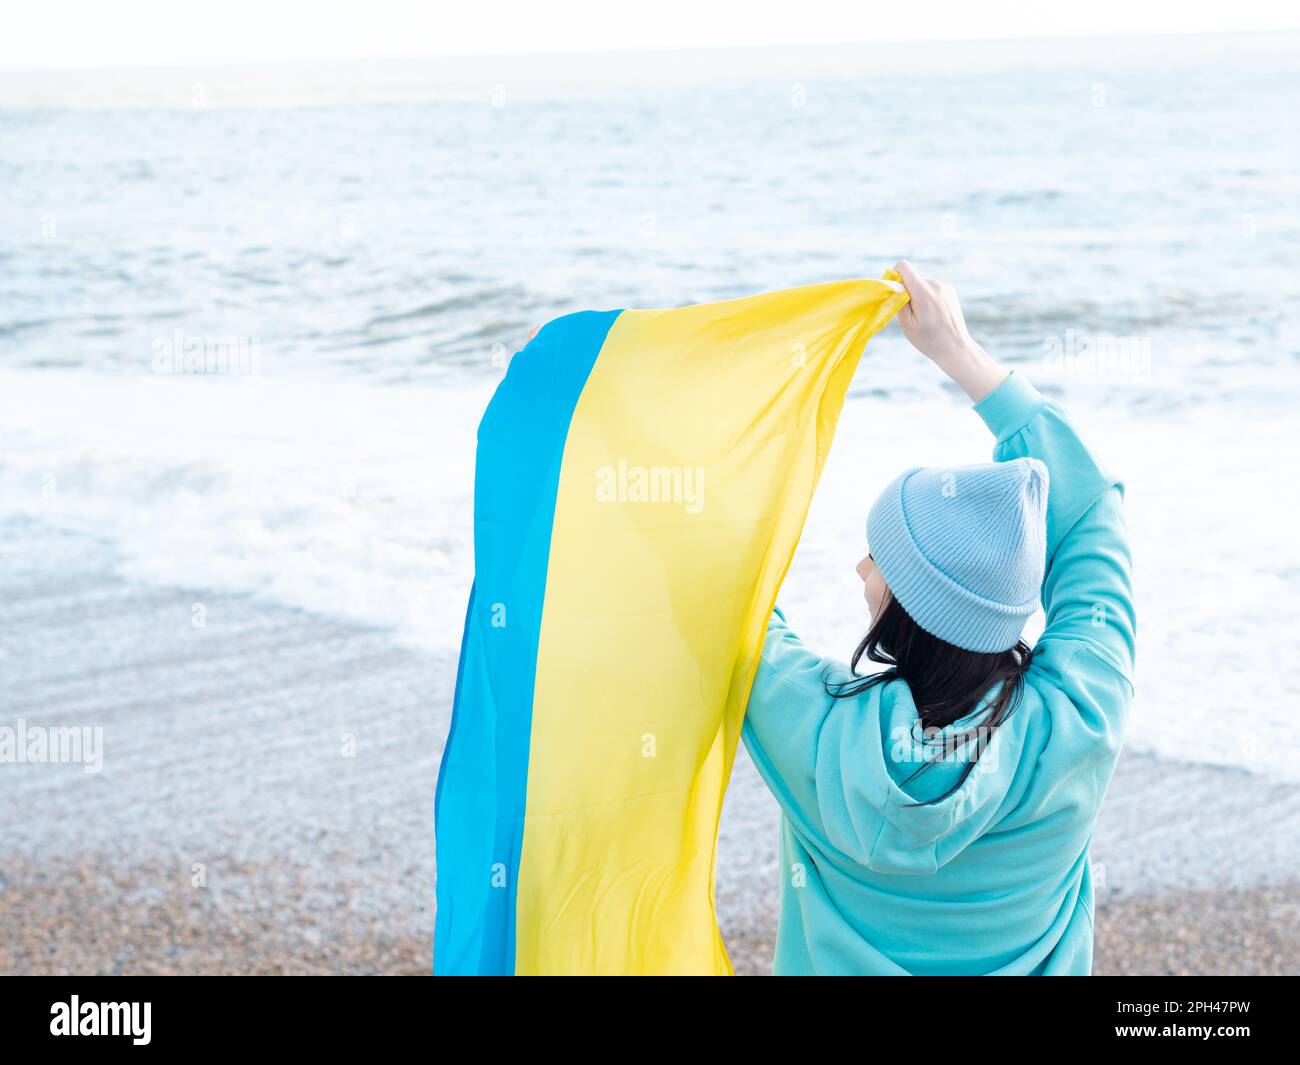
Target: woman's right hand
point(932, 321)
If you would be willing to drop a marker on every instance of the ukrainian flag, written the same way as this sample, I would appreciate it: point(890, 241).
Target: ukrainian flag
point(642, 480)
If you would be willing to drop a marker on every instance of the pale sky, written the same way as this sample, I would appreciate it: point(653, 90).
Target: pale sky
point(78, 33)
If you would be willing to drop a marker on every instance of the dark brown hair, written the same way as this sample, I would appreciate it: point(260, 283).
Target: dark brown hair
point(946, 682)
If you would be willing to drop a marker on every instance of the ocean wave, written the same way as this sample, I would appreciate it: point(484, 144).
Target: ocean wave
point(477, 300)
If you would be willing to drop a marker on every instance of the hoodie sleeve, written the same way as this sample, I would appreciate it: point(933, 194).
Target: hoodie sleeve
point(785, 723)
point(1087, 647)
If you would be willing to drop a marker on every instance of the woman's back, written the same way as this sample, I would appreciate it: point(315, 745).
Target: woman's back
point(891, 861)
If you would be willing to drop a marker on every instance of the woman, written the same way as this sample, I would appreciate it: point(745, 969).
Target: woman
point(937, 815)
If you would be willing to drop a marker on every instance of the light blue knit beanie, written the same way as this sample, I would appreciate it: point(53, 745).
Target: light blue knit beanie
point(963, 549)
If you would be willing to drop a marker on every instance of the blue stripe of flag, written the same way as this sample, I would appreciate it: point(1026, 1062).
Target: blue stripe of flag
point(483, 781)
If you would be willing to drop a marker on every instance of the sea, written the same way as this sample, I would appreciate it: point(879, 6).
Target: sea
point(250, 316)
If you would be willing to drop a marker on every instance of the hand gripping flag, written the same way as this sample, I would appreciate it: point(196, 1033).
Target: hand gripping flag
point(642, 479)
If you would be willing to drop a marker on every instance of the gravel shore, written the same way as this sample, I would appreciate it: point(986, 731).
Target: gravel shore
point(147, 918)
point(265, 802)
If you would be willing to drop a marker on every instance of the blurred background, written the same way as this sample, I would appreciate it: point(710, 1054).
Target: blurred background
point(261, 269)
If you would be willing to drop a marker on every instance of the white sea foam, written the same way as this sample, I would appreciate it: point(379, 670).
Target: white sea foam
point(345, 501)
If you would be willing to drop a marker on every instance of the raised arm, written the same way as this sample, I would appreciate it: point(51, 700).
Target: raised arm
point(1087, 647)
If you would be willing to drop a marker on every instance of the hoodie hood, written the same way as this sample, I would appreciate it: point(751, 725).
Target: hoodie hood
point(907, 771)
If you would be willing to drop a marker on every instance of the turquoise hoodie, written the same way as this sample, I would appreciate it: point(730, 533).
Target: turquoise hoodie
point(993, 879)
